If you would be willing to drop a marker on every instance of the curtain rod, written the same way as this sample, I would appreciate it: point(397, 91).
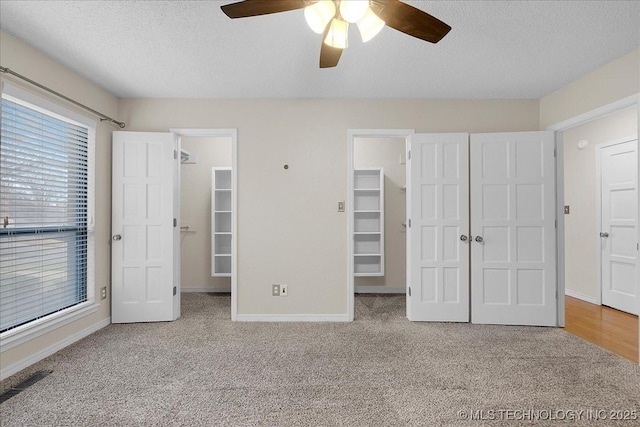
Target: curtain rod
point(103, 117)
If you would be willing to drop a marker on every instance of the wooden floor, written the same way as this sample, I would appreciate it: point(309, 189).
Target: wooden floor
point(614, 330)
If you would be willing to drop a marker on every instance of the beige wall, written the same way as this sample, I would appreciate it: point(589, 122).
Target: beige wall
point(289, 230)
point(386, 153)
point(616, 80)
point(24, 60)
point(581, 230)
point(195, 206)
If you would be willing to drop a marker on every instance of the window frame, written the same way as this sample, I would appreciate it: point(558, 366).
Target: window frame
point(24, 333)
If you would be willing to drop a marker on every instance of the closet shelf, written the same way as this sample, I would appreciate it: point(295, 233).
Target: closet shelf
point(368, 220)
point(221, 219)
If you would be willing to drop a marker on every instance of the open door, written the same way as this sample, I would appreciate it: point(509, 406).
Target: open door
point(142, 271)
point(438, 233)
point(513, 261)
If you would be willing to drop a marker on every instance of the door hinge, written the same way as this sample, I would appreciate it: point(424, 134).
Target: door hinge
point(556, 223)
point(175, 154)
point(175, 290)
point(409, 222)
point(175, 222)
point(555, 153)
point(409, 155)
point(409, 290)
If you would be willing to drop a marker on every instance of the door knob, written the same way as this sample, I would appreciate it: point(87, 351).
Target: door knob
point(604, 234)
point(479, 239)
point(117, 237)
point(464, 238)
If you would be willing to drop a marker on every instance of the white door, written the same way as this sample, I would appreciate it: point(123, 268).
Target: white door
point(438, 246)
point(142, 227)
point(513, 258)
point(618, 226)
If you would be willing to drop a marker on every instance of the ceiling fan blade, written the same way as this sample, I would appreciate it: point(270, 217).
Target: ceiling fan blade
point(329, 56)
point(409, 20)
point(246, 8)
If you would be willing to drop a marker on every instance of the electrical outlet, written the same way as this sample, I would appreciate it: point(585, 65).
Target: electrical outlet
point(103, 293)
point(275, 290)
point(284, 291)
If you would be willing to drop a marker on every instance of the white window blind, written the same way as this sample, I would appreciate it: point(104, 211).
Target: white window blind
point(43, 214)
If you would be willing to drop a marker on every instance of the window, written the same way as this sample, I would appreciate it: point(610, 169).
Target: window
point(45, 205)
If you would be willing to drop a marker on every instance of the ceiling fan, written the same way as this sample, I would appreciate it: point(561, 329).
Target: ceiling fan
point(331, 18)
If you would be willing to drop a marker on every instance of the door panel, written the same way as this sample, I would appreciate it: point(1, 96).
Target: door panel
point(142, 226)
point(438, 260)
point(513, 227)
point(619, 216)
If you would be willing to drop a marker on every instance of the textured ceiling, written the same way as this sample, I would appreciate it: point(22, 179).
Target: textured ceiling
point(190, 49)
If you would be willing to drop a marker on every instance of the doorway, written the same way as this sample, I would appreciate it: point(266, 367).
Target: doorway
point(204, 153)
point(147, 225)
point(584, 146)
point(376, 212)
point(579, 141)
point(203, 158)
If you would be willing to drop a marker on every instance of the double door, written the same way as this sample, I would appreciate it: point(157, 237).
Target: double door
point(482, 236)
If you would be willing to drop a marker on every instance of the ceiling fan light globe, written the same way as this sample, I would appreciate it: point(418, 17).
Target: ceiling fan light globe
point(353, 10)
point(338, 34)
point(370, 25)
point(319, 14)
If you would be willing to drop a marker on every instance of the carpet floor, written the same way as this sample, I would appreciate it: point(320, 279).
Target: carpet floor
point(380, 370)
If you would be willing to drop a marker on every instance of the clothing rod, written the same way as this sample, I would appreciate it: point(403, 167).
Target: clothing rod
point(103, 117)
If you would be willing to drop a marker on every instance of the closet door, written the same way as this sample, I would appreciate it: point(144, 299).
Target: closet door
point(513, 260)
point(438, 219)
point(142, 246)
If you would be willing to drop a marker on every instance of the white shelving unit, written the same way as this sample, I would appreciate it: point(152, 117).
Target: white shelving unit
point(221, 193)
point(368, 222)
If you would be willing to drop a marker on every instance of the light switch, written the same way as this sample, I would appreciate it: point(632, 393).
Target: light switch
point(340, 206)
point(566, 210)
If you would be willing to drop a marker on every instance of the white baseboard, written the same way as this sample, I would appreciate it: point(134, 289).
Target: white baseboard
point(217, 289)
point(581, 296)
point(16, 367)
point(379, 290)
point(293, 318)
